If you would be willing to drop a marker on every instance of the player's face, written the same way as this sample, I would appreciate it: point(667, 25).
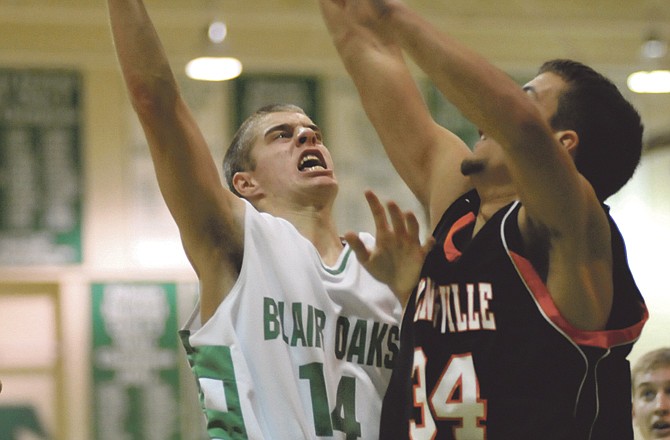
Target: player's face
point(290, 155)
point(545, 90)
point(651, 404)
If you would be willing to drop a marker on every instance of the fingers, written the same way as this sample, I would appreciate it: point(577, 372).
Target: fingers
point(328, 6)
point(428, 245)
point(404, 224)
point(412, 224)
point(330, 10)
point(378, 212)
point(362, 253)
point(397, 219)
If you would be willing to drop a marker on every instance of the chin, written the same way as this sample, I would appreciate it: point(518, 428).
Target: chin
point(326, 187)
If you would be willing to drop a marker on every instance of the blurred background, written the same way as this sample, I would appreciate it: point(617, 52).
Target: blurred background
point(93, 279)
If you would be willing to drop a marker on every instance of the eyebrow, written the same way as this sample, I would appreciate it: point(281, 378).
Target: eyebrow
point(280, 127)
point(289, 127)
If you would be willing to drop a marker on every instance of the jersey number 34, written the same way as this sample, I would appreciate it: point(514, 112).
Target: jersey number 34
point(455, 398)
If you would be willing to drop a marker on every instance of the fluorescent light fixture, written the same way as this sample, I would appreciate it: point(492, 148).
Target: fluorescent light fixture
point(214, 68)
point(655, 81)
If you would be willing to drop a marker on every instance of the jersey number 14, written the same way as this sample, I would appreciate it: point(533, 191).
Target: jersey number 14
point(343, 417)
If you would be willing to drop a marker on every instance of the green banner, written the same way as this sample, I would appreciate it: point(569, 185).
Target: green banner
point(253, 91)
point(40, 167)
point(135, 357)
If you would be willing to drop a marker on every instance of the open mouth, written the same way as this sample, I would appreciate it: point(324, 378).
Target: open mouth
point(661, 427)
point(312, 162)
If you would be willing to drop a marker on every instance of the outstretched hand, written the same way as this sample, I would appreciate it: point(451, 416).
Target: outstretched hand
point(398, 255)
point(342, 14)
point(362, 8)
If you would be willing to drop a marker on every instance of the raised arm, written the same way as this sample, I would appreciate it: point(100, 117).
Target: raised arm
point(559, 205)
point(426, 155)
point(209, 217)
point(502, 110)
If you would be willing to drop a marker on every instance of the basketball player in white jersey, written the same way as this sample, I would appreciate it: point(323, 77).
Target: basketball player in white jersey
point(650, 379)
point(292, 339)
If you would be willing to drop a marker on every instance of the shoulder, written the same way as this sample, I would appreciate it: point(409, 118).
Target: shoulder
point(264, 222)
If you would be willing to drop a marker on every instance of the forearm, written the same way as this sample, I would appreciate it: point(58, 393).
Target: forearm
point(377, 69)
point(392, 102)
point(140, 53)
point(485, 95)
point(503, 111)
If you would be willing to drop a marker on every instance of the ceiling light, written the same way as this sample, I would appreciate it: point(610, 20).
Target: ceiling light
point(217, 32)
point(213, 66)
point(654, 81)
point(653, 78)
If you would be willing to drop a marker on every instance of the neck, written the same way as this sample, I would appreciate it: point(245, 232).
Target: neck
point(315, 223)
point(492, 199)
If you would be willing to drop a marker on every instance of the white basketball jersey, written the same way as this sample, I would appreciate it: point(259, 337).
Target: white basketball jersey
point(297, 350)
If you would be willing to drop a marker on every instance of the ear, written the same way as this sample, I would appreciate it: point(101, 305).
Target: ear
point(245, 184)
point(569, 139)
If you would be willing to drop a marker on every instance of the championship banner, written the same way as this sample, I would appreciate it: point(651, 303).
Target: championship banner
point(40, 167)
point(135, 355)
point(253, 91)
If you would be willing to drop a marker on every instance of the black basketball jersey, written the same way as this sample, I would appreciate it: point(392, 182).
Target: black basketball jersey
point(485, 354)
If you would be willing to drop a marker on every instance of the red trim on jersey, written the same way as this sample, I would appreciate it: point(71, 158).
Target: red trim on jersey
point(450, 250)
point(602, 339)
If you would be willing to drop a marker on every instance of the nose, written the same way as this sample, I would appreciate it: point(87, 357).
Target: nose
point(663, 403)
point(306, 136)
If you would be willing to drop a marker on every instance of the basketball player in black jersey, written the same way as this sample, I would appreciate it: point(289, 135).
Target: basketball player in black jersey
point(525, 310)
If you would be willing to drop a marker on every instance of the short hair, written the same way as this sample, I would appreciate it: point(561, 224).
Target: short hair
point(238, 156)
point(608, 126)
point(650, 361)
